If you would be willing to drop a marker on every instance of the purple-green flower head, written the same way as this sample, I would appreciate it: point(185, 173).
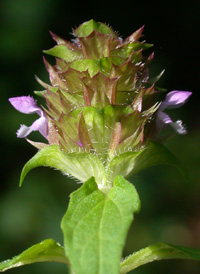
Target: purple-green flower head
point(27, 105)
point(101, 106)
point(174, 99)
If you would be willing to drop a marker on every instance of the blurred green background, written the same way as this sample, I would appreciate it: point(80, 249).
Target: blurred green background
point(170, 206)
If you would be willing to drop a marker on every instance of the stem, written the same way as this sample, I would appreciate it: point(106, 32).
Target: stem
point(71, 271)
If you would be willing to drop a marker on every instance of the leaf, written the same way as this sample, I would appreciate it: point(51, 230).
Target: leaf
point(95, 45)
point(40, 93)
point(156, 154)
point(46, 251)
point(127, 73)
point(61, 51)
point(122, 164)
point(156, 252)
point(83, 135)
point(126, 49)
point(95, 127)
point(55, 79)
point(79, 165)
point(156, 78)
point(95, 226)
point(131, 162)
point(115, 140)
point(109, 118)
point(88, 27)
point(92, 65)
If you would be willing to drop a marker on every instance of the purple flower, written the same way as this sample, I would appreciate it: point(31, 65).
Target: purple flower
point(174, 99)
point(26, 104)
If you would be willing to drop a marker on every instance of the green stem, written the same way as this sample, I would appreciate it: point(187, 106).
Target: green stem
point(71, 271)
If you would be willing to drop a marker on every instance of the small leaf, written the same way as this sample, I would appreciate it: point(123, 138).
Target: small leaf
point(88, 27)
point(61, 41)
point(116, 135)
point(83, 135)
point(104, 87)
point(122, 164)
point(127, 73)
point(61, 51)
point(95, 226)
point(40, 93)
point(46, 251)
point(109, 118)
point(79, 165)
point(156, 252)
point(157, 78)
point(95, 45)
point(54, 76)
point(125, 49)
point(156, 154)
point(95, 127)
point(93, 66)
point(135, 36)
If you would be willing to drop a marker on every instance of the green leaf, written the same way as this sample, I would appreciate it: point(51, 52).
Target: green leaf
point(126, 50)
point(109, 118)
point(156, 252)
point(122, 164)
point(61, 51)
point(93, 65)
point(88, 27)
point(79, 165)
point(46, 251)
point(95, 127)
point(96, 45)
point(40, 93)
point(157, 78)
point(95, 226)
point(156, 154)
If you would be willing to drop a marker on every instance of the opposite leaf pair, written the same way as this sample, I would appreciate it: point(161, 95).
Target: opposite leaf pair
point(95, 228)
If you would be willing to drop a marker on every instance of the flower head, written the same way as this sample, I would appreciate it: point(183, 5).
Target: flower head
point(100, 104)
point(26, 104)
point(174, 99)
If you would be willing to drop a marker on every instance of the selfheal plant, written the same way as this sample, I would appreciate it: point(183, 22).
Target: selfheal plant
point(101, 124)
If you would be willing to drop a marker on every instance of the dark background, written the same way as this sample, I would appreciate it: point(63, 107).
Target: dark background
point(170, 205)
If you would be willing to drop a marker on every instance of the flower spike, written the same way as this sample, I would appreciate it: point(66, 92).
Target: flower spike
point(100, 102)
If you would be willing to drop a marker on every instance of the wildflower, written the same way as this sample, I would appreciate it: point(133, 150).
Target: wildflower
point(100, 105)
point(174, 99)
point(26, 104)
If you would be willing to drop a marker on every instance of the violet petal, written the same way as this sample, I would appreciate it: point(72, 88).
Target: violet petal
point(178, 127)
point(175, 99)
point(39, 125)
point(23, 131)
point(25, 104)
point(163, 118)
